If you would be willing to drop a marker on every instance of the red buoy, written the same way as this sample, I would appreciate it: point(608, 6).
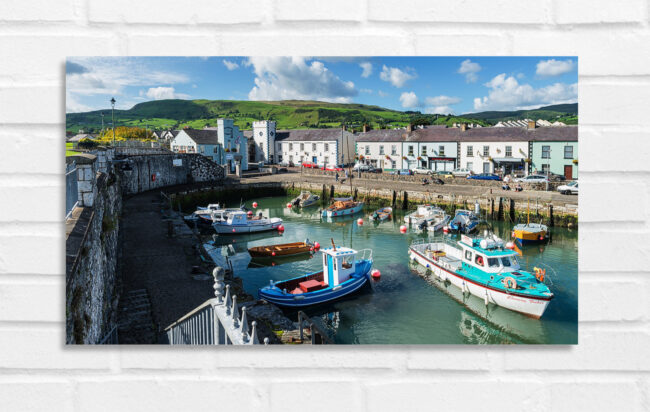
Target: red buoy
point(281, 228)
point(289, 205)
point(316, 246)
point(272, 253)
point(360, 222)
point(250, 213)
point(233, 230)
point(376, 274)
point(445, 229)
point(510, 245)
point(254, 205)
point(402, 229)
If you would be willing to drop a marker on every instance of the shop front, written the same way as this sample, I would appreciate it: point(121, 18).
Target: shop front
point(442, 163)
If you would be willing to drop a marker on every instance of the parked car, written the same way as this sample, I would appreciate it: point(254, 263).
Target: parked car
point(401, 172)
point(445, 174)
point(484, 176)
point(533, 179)
point(361, 166)
point(569, 188)
point(461, 171)
point(422, 171)
point(332, 168)
point(373, 170)
point(553, 177)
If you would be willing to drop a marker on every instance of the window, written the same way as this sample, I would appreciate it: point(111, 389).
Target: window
point(479, 260)
point(327, 147)
point(313, 147)
point(279, 147)
point(381, 150)
point(290, 147)
point(326, 161)
point(505, 262)
point(441, 150)
point(262, 147)
point(424, 151)
point(302, 147)
point(568, 152)
point(486, 150)
point(393, 164)
point(202, 149)
point(546, 168)
point(470, 151)
point(410, 151)
point(469, 166)
point(486, 167)
point(216, 149)
point(291, 158)
point(368, 149)
point(468, 255)
point(508, 151)
point(546, 152)
point(493, 262)
point(393, 150)
point(261, 134)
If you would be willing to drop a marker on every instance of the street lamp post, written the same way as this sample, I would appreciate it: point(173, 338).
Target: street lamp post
point(113, 117)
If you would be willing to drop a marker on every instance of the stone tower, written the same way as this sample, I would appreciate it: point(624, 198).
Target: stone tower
point(264, 138)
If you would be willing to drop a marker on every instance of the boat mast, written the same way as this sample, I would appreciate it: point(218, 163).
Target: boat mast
point(528, 212)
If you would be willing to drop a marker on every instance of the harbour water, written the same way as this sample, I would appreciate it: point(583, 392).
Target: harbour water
point(407, 305)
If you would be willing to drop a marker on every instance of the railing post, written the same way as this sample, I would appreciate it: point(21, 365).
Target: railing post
point(235, 312)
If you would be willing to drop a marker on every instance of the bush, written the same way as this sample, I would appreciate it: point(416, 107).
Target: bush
point(87, 144)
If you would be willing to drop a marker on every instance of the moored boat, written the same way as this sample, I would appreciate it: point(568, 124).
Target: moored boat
point(209, 213)
point(465, 221)
point(439, 220)
point(342, 275)
point(238, 222)
point(424, 213)
point(285, 249)
point(382, 214)
point(484, 268)
point(305, 199)
point(342, 207)
point(529, 232)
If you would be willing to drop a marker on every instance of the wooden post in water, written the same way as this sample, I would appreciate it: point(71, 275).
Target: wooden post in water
point(500, 213)
point(512, 210)
point(331, 191)
point(551, 223)
point(394, 199)
point(323, 195)
point(492, 208)
point(354, 197)
point(405, 201)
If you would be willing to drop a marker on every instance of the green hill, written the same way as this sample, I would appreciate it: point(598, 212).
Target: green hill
point(567, 113)
point(289, 114)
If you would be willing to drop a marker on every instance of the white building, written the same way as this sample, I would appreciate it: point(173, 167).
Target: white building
point(233, 142)
point(321, 147)
point(204, 142)
point(262, 142)
point(381, 148)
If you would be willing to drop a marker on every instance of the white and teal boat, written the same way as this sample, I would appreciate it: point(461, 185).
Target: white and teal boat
point(485, 268)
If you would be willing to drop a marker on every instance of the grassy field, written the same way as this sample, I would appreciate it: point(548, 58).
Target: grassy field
point(69, 151)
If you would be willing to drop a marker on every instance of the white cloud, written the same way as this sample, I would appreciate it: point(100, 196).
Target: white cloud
point(367, 69)
point(439, 110)
point(395, 76)
point(470, 70)
point(442, 100)
point(507, 94)
point(368, 91)
point(230, 65)
point(552, 67)
point(162, 93)
point(409, 99)
point(382, 93)
point(72, 105)
point(285, 78)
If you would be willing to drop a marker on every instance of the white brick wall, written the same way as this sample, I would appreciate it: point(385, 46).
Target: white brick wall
point(608, 370)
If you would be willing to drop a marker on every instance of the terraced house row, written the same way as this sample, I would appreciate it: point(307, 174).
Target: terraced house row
point(508, 150)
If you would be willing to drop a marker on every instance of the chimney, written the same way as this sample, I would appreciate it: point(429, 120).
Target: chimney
point(409, 128)
point(365, 128)
point(463, 127)
point(531, 124)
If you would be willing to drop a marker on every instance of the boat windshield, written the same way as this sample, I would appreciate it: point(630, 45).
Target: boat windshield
point(493, 262)
point(347, 261)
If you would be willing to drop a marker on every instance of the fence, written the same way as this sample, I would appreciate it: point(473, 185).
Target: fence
point(216, 322)
point(71, 193)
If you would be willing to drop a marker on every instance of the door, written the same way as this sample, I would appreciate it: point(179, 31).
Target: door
point(568, 172)
point(314, 160)
point(486, 167)
point(330, 270)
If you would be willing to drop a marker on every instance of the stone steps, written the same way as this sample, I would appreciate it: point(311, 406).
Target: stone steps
point(135, 320)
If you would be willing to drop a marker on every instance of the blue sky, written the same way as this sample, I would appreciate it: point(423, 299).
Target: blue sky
point(428, 84)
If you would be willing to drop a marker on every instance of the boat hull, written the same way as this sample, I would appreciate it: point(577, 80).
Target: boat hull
point(344, 212)
point(435, 226)
point(526, 237)
point(279, 250)
point(249, 228)
point(533, 307)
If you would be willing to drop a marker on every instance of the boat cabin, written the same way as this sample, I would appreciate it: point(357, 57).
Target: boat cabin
point(338, 265)
point(425, 210)
point(488, 255)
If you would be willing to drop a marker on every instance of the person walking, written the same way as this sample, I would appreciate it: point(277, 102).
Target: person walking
point(337, 176)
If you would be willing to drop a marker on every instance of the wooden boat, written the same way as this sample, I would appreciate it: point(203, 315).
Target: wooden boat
point(285, 249)
point(239, 222)
point(529, 232)
point(342, 275)
point(305, 199)
point(486, 269)
point(342, 207)
point(382, 214)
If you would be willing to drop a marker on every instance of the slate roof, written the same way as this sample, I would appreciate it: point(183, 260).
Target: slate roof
point(202, 136)
point(310, 135)
point(482, 134)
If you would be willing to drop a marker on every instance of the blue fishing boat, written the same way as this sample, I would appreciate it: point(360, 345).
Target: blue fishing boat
point(483, 267)
point(342, 207)
point(465, 221)
point(342, 275)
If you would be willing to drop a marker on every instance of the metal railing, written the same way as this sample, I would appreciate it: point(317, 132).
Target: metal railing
point(216, 322)
point(71, 193)
point(318, 335)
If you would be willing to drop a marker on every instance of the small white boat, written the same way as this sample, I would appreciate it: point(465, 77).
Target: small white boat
point(209, 214)
point(424, 213)
point(305, 199)
point(239, 222)
point(440, 219)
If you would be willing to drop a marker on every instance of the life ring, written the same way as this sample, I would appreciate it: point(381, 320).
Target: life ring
point(479, 260)
point(539, 273)
point(510, 282)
